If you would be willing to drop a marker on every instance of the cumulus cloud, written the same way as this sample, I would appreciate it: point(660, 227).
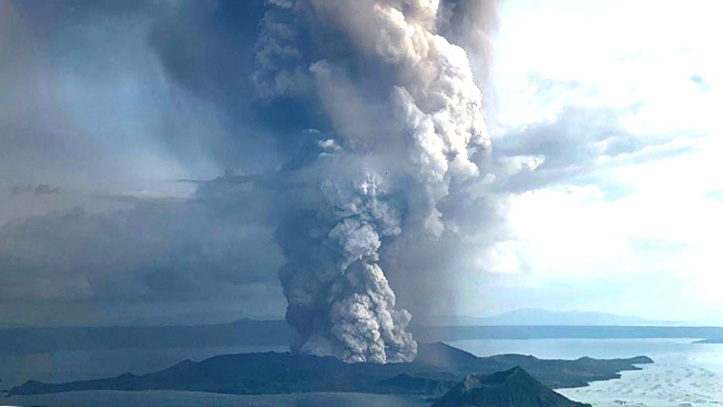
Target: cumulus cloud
point(580, 146)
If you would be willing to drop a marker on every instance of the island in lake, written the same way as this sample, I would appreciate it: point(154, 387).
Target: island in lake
point(437, 370)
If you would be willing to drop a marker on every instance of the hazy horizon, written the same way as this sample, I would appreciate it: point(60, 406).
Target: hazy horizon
point(519, 316)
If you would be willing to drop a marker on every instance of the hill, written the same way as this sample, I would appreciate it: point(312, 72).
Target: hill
point(513, 387)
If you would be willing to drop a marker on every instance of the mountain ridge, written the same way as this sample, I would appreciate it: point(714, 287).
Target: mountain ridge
point(538, 316)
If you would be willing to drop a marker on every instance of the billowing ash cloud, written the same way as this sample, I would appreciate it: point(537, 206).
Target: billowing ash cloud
point(355, 128)
point(355, 147)
point(407, 124)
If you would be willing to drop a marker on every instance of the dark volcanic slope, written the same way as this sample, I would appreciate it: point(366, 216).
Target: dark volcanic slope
point(513, 387)
point(437, 368)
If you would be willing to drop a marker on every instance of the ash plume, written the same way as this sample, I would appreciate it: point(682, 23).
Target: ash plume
point(407, 124)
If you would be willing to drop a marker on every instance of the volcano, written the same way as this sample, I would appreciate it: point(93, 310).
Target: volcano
point(513, 387)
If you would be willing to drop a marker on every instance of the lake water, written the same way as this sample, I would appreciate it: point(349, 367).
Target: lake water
point(190, 399)
point(684, 375)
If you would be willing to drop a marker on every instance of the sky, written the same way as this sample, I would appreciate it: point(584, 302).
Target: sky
point(618, 99)
point(160, 159)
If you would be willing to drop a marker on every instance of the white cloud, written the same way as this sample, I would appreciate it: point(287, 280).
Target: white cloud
point(654, 250)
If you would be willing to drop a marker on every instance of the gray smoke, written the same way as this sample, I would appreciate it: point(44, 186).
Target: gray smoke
point(404, 133)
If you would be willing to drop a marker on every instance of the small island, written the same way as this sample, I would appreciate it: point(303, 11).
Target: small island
point(437, 369)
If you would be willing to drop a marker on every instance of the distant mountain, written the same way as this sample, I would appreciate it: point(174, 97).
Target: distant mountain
point(534, 316)
point(468, 332)
point(514, 387)
point(436, 370)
